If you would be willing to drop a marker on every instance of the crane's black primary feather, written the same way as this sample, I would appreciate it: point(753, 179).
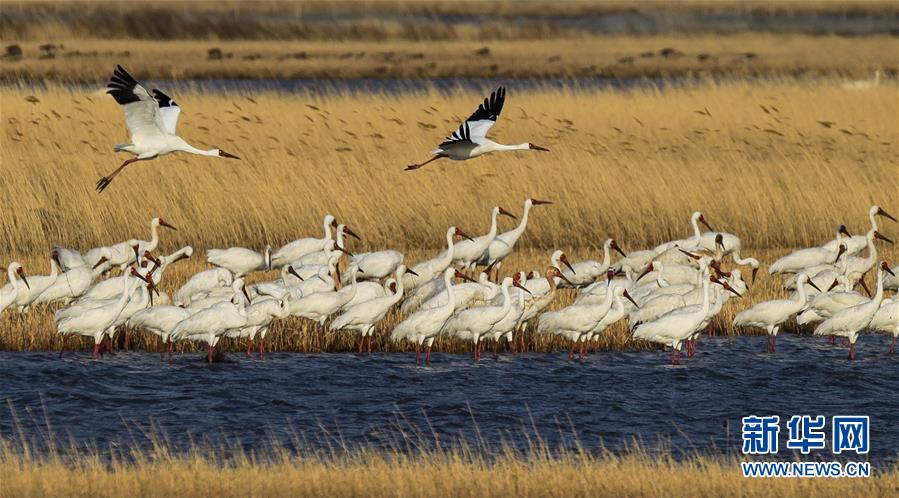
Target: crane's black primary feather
point(491, 107)
point(163, 99)
point(463, 134)
point(489, 110)
point(121, 86)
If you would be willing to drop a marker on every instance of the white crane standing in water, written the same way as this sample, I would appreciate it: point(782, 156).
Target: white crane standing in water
point(152, 120)
point(470, 140)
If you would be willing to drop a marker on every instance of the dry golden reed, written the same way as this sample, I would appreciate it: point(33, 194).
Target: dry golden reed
point(632, 165)
point(460, 472)
point(617, 56)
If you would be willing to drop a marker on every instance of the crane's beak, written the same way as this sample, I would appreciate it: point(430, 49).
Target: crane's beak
point(100, 262)
point(518, 284)
point(834, 284)
point(702, 220)
point(563, 277)
point(536, 202)
point(688, 253)
point(537, 147)
point(564, 259)
point(886, 268)
point(21, 273)
point(881, 212)
point(460, 233)
point(506, 213)
point(410, 272)
point(294, 273)
point(351, 233)
point(614, 245)
point(877, 235)
point(755, 272)
point(225, 154)
point(245, 294)
point(810, 282)
point(629, 298)
point(166, 224)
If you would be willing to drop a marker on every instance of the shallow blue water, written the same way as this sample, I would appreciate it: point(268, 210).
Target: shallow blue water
point(606, 401)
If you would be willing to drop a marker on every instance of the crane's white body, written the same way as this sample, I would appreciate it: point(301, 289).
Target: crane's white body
point(851, 321)
point(298, 248)
point(240, 261)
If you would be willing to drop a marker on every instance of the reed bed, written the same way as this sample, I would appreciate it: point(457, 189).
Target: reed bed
point(453, 470)
point(410, 20)
point(778, 163)
point(89, 59)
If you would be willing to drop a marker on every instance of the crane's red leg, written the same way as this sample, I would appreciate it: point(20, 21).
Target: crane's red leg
point(369, 345)
point(893, 346)
point(209, 353)
point(65, 338)
point(417, 354)
point(106, 180)
point(262, 348)
point(416, 166)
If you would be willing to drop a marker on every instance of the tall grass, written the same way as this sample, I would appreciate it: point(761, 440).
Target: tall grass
point(89, 59)
point(436, 471)
point(377, 20)
point(631, 165)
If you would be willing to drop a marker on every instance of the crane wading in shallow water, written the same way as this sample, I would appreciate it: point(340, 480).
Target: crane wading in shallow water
point(151, 120)
point(470, 140)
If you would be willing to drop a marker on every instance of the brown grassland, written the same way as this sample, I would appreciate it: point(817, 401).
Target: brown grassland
point(632, 165)
point(460, 472)
point(620, 56)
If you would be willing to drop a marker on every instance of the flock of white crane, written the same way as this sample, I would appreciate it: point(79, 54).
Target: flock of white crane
point(669, 294)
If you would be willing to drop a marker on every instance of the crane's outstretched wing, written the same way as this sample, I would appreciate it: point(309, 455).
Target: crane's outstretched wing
point(475, 128)
point(168, 110)
point(141, 110)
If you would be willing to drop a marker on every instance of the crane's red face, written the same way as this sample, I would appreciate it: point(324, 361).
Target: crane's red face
point(347, 231)
point(21, 273)
point(227, 155)
point(564, 259)
point(460, 233)
point(552, 271)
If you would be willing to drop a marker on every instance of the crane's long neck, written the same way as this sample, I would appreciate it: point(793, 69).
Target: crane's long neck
point(801, 294)
point(524, 221)
point(872, 250)
point(492, 233)
point(154, 236)
point(706, 304)
point(606, 256)
point(872, 216)
point(400, 289)
point(54, 268)
point(448, 255)
point(878, 295)
point(507, 301)
point(697, 234)
point(496, 147)
point(327, 227)
point(11, 274)
point(451, 296)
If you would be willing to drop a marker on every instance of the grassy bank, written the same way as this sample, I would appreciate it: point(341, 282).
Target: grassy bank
point(780, 164)
point(441, 472)
point(89, 59)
